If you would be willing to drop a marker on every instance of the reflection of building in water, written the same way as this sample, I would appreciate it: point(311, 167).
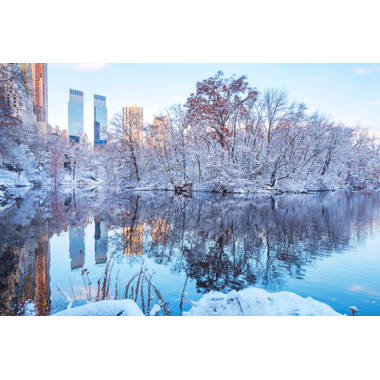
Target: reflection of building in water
point(133, 239)
point(24, 276)
point(77, 249)
point(101, 242)
point(160, 231)
point(42, 279)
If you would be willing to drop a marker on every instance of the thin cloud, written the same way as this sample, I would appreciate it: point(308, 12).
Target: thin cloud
point(374, 102)
point(90, 66)
point(366, 70)
point(361, 289)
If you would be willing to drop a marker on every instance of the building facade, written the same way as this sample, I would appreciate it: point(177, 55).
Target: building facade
point(40, 95)
point(133, 123)
point(159, 132)
point(13, 97)
point(23, 88)
point(27, 79)
point(75, 116)
point(100, 120)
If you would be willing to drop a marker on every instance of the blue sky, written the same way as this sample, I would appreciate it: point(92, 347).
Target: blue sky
point(349, 93)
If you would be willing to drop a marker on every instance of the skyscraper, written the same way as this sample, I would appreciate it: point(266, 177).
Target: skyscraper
point(75, 108)
point(159, 132)
point(133, 123)
point(100, 120)
point(40, 97)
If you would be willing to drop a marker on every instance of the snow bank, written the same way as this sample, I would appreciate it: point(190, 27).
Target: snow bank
point(12, 186)
point(250, 301)
point(254, 301)
point(12, 179)
point(104, 308)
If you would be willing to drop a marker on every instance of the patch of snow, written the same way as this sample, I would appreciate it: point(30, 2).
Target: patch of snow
point(12, 186)
point(29, 308)
point(354, 310)
point(255, 301)
point(125, 307)
point(155, 310)
point(250, 301)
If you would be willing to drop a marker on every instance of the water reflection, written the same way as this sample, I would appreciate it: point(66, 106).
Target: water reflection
point(194, 245)
point(24, 266)
point(77, 248)
point(101, 241)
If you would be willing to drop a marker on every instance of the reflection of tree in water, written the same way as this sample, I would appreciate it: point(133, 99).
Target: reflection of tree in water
point(221, 243)
point(225, 244)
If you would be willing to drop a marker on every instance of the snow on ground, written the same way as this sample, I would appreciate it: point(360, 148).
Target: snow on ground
point(12, 186)
point(255, 301)
point(250, 301)
point(104, 308)
point(12, 179)
point(82, 182)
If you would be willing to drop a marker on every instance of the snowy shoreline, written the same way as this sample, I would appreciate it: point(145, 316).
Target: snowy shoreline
point(12, 187)
point(247, 302)
point(10, 192)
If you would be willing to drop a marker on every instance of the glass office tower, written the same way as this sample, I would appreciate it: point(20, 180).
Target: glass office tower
point(100, 120)
point(76, 128)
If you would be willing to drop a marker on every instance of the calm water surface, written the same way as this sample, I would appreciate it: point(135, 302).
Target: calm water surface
point(61, 248)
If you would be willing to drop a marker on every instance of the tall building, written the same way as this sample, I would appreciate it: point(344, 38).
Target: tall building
point(27, 78)
point(100, 120)
point(75, 109)
point(13, 97)
point(64, 135)
point(159, 132)
point(40, 96)
point(133, 123)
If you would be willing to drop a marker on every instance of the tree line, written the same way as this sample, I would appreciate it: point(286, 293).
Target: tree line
point(227, 137)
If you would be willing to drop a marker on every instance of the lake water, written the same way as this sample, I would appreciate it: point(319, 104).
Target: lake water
point(69, 247)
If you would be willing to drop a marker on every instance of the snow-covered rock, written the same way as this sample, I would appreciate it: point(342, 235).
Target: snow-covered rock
point(250, 301)
point(255, 301)
point(125, 307)
point(155, 310)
